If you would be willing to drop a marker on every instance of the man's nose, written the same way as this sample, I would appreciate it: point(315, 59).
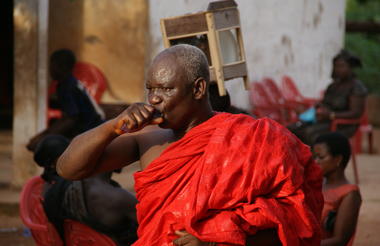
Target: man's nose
point(154, 99)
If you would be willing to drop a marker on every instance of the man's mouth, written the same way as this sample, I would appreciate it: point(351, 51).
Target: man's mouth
point(157, 114)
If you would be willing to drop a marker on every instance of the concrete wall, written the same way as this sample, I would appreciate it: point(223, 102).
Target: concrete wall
point(293, 37)
point(109, 34)
point(28, 86)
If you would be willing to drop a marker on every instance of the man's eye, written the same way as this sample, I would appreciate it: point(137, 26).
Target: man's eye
point(321, 157)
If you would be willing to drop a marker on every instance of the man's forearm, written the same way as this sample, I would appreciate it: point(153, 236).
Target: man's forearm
point(81, 157)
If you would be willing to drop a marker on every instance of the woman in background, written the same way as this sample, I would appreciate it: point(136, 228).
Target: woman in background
point(344, 99)
point(342, 199)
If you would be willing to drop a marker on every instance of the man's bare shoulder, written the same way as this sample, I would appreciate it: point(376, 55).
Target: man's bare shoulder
point(152, 141)
point(153, 134)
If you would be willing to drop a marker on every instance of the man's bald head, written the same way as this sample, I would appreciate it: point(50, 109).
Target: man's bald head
point(190, 58)
point(177, 87)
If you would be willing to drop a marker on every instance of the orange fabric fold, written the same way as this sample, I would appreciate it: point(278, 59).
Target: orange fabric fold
point(333, 198)
point(228, 178)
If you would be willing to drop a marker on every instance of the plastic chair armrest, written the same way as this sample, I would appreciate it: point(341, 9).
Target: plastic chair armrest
point(336, 122)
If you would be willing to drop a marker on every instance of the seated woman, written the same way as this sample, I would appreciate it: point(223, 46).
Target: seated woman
point(342, 199)
point(98, 201)
point(344, 98)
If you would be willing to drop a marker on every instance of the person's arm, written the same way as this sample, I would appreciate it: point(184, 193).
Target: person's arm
point(346, 220)
point(61, 127)
point(101, 149)
point(356, 108)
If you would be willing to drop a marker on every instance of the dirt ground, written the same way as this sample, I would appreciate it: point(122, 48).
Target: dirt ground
point(13, 233)
point(369, 219)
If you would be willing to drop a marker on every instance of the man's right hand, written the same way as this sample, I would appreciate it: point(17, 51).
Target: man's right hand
point(136, 117)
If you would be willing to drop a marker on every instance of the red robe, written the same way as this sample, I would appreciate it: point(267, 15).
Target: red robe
point(229, 177)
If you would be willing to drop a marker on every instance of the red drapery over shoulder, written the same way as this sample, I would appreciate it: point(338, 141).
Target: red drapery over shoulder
point(228, 177)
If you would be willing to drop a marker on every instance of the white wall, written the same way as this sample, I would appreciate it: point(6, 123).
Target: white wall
point(293, 37)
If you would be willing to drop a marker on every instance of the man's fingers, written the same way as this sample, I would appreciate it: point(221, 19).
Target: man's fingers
point(181, 233)
point(183, 239)
point(140, 119)
point(157, 121)
point(136, 117)
point(131, 122)
point(145, 112)
point(150, 108)
point(119, 127)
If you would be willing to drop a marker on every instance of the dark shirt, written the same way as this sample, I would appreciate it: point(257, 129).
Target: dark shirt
point(337, 95)
point(76, 102)
point(53, 203)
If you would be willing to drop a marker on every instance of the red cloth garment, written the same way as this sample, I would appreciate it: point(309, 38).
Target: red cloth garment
point(228, 177)
point(333, 197)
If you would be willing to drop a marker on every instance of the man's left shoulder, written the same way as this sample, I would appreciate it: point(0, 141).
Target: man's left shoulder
point(236, 117)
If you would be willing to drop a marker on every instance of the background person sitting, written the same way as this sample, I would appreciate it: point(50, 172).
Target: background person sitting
point(222, 103)
point(46, 154)
point(98, 201)
point(344, 98)
point(102, 204)
point(342, 199)
point(80, 111)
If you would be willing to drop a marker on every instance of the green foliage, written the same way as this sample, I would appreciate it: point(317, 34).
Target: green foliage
point(368, 49)
point(365, 46)
point(359, 10)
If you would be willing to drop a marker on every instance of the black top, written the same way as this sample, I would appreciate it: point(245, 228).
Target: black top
point(75, 101)
point(337, 95)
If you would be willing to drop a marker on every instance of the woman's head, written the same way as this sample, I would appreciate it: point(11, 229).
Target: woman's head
point(332, 151)
point(47, 153)
point(343, 64)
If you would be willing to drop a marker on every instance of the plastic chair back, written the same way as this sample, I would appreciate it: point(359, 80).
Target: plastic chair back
point(356, 140)
point(78, 234)
point(293, 95)
point(290, 90)
point(272, 89)
point(288, 110)
point(33, 215)
point(261, 103)
point(92, 78)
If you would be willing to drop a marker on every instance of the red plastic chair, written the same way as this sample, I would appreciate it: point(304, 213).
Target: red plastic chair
point(356, 140)
point(262, 105)
point(293, 95)
point(33, 215)
point(277, 98)
point(90, 76)
point(78, 234)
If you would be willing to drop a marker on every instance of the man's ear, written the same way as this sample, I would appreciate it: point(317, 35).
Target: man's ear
point(200, 88)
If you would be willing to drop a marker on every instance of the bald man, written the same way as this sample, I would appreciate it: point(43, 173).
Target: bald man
point(207, 178)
